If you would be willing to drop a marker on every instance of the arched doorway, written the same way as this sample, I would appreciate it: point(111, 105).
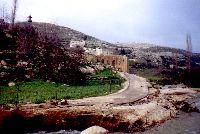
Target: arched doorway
point(102, 61)
point(113, 63)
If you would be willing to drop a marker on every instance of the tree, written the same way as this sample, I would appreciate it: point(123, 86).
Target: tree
point(13, 14)
point(189, 51)
point(4, 15)
point(123, 52)
point(46, 57)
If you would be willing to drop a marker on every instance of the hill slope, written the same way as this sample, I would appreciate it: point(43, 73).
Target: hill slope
point(142, 52)
point(139, 51)
point(66, 34)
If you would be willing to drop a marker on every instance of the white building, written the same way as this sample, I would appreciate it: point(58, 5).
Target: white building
point(75, 44)
point(103, 51)
point(90, 50)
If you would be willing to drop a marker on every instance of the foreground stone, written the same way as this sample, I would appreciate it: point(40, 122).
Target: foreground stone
point(95, 130)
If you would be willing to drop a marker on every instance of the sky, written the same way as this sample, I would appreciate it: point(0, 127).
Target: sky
point(160, 22)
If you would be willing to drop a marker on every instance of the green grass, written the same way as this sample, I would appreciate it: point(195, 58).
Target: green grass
point(38, 91)
point(107, 73)
point(153, 75)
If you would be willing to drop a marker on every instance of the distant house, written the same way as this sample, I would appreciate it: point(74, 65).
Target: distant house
point(99, 51)
point(90, 50)
point(75, 44)
point(104, 51)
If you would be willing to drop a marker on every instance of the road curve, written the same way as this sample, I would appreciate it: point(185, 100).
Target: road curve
point(135, 90)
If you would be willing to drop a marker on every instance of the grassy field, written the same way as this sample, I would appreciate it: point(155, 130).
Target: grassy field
point(152, 75)
point(38, 91)
point(106, 73)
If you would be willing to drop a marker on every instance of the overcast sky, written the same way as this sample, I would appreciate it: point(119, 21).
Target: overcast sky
point(162, 22)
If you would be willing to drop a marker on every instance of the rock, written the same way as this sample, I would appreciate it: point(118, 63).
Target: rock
point(87, 70)
point(177, 91)
point(173, 86)
point(196, 106)
point(22, 64)
point(181, 86)
point(157, 87)
point(149, 85)
point(10, 84)
point(95, 130)
point(28, 76)
point(153, 83)
point(48, 81)
point(83, 70)
point(65, 85)
point(187, 107)
point(99, 67)
point(90, 70)
point(63, 102)
point(2, 74)
point(3, 63)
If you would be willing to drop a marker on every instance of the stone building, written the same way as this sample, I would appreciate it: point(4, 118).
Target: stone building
point(118, 62)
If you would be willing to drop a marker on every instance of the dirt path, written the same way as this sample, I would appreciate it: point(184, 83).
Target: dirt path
point(135, 88)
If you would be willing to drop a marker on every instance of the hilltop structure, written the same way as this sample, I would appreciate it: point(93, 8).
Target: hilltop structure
point(29, 18)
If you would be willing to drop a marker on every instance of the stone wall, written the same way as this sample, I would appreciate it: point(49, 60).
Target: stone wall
point(119, 62)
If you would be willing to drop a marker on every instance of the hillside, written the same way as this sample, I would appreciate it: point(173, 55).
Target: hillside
point(143, 52)
point(162, 65)
point(65, 34)
point(140, 52)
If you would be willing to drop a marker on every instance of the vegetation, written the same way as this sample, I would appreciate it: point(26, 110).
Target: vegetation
point(38, 91)
point(151, 74)
point(171, 76)
point(40, 57)
point(106, 74)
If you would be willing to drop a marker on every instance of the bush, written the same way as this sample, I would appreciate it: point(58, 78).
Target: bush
point(46, 58)
point(191, 78)
point(39, 100)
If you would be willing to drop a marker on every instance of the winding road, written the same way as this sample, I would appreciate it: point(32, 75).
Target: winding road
point(135, 88)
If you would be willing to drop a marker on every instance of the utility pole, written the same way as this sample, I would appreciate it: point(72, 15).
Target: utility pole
point(189, 51)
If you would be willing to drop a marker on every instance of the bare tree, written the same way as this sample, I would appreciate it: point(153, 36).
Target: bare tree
point(4, 15)
point(175, 61)
point(13, 14)
point(189, 51)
